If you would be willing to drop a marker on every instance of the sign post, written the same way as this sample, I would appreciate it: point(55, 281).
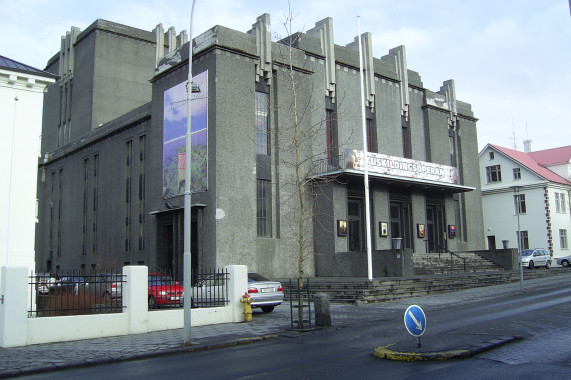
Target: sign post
point(415, 321)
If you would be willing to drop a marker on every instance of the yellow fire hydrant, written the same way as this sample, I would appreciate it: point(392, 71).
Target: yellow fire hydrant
point(246, 301)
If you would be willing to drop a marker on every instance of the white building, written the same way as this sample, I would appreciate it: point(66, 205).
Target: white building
point(539, 182)
point(21, 103)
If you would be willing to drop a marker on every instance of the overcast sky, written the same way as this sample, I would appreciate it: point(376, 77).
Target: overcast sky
point(510, 59)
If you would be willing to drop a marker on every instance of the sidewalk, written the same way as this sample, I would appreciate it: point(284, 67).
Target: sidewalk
point(45, 357)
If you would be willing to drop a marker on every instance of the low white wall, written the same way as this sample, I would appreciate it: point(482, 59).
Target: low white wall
point(18, 330)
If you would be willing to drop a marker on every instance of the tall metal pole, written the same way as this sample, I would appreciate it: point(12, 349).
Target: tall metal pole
point(516, 201)
point(365, 163)
point(187, 260)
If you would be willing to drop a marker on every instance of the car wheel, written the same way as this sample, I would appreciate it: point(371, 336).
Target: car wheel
point(548, 264)
point(152, 302)
point(565, 263)
point(530, 265)
point(267, 309)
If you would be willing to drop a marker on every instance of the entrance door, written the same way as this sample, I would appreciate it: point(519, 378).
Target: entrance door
point(399, 219)
point(355, 232)
point(435, 228)
point(492, 243)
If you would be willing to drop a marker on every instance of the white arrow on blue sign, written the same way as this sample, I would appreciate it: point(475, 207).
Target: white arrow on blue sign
point(415, 320)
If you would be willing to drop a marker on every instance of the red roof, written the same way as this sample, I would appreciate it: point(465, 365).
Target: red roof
point(535, 161)
point(552, 156)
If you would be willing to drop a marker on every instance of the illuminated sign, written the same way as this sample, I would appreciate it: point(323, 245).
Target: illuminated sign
point(400, 167)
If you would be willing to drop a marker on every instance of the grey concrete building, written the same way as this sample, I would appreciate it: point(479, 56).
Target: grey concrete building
point(277, 155)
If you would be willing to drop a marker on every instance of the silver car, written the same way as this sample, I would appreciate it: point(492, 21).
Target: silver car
point(564, 261)
point(265, 294)
point(538, 257)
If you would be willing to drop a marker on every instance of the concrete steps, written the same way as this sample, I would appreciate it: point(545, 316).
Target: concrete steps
point(440, 263)
point(343, 289)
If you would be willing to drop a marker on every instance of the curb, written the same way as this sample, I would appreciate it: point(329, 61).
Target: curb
point(182, 349)
point(385, 352)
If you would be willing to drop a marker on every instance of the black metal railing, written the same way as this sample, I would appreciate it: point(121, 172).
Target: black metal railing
point(75, 293)
point(441, 249)
point(210, 288)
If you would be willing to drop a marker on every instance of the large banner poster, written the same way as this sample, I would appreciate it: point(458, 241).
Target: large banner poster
point(400, 167)
point(174, 138)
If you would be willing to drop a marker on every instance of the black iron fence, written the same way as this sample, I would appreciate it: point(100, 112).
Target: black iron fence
point(210, 288)
point(75, 293)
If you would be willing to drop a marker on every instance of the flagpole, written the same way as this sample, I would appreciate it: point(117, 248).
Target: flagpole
point(365, 163)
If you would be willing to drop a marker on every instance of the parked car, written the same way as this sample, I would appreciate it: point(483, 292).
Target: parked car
point(44, 282)
point(210, 291)
point(164, 291)
point(106, 285)
point(73, 284)
point(564, 261)
point(538, 257)
point(265, 294)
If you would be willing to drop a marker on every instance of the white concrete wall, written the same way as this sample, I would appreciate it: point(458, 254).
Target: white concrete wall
point(16, 329)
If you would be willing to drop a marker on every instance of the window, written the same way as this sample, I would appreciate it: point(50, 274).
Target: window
point(452, 151)
point(517, 173)
point(329, 135)
point(128, 186)
point(493, 173)
point(519, 201)
point(262, 123)
point(263, 215)
point(560, 203)
point(491, 154)
point(563, 239)
point(524, 241)
point(370, 136)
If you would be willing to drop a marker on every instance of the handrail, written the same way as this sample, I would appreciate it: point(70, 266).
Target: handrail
point(440, 248)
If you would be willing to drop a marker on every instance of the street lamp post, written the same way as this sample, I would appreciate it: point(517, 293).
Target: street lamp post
point(516, 190)
point(187, 263)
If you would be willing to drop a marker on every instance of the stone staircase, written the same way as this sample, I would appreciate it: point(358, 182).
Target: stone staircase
point(344, 289)
point(439, 263)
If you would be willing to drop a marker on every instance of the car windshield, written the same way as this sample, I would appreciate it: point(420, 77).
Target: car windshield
point(161, 280)
point(527, 252)
point(255, 277)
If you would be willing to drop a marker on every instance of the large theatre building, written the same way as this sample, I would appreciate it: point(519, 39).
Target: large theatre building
point(277, 154)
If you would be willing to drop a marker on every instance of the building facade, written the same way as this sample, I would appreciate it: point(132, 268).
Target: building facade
point(530, 186)
point(277, 161)
point(21, 93)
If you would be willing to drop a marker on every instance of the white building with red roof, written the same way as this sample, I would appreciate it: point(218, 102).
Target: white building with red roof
point(538, 185)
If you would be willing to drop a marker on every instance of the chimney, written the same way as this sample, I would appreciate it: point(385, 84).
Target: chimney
point(527, 146)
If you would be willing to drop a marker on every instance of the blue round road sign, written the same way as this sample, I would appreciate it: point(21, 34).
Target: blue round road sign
point(415, 320)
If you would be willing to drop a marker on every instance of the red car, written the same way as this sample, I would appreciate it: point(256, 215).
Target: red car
point(164, 291)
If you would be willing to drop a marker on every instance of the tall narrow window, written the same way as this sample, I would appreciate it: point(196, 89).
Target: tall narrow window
point(523, 240)
point(262, 123)
point(128, 185)
point(563, 239)
point(329, 135)
point(85, 208)
point(264, 212)
point(59, 211)
point(563, 203)
point(141, 197)
point(95, 203)
point(451, 142)
point(519, 200)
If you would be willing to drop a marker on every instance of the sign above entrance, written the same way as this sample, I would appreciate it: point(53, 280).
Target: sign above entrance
point(400, 167)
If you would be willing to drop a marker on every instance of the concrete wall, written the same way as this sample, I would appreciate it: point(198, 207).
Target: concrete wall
point(16, 329)
point(389, 263)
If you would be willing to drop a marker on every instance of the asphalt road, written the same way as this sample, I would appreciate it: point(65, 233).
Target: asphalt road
point(540, 316)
